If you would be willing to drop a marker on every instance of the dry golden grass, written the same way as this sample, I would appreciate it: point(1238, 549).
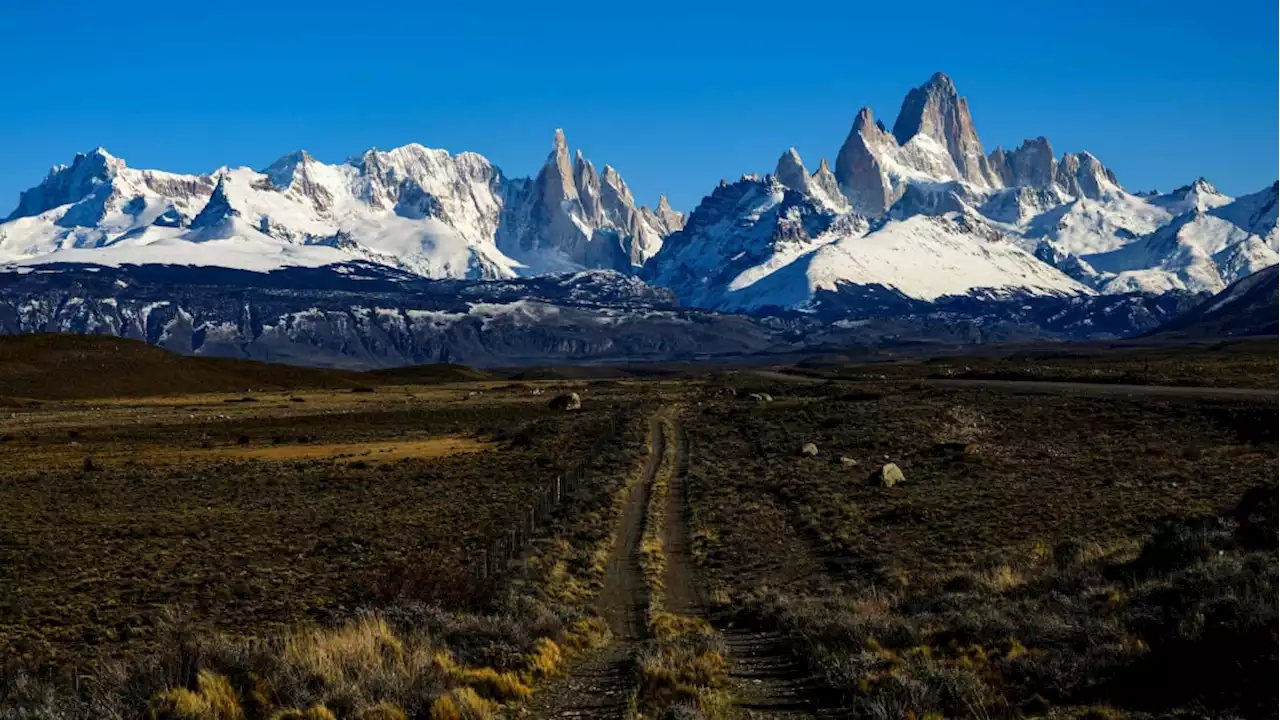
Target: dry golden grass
point(382, 711)
point(213, 699)
point(684, 665)
point(69, 456)
point(462, 704)
point(355, 653)
point(368, 451)
point(491, 684)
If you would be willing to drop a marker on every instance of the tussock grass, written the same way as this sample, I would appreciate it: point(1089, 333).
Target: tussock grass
point(486, 681)
point(319, 712)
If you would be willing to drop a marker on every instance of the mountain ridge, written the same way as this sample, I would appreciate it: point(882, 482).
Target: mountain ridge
point(920, 211)
point(414, 207)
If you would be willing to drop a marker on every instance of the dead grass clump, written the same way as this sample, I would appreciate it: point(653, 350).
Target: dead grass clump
point(213, 699)
point(683, 666)
point(486, 681)
point(462, 704)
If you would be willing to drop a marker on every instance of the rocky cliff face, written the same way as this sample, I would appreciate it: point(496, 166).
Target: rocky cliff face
point(860, 172)
point(1031, 165)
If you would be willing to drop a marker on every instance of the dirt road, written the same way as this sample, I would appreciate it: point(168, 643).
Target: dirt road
point(600, 686)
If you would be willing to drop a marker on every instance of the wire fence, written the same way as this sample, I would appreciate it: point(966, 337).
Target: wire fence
point(494, 558)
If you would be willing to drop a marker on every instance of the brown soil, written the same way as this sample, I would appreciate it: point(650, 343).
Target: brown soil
point(683, 594)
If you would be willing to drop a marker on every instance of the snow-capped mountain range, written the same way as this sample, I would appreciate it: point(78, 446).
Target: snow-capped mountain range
point(919, 213)
point(412, 208)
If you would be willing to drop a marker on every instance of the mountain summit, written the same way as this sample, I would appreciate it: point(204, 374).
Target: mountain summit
point(938, 112)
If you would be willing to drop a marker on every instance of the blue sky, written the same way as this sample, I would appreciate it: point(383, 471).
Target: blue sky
point(675, 95)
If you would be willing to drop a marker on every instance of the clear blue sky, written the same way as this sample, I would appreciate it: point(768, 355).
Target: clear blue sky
point(675, 95)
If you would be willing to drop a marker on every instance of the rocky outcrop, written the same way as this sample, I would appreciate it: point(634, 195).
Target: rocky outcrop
point(825, 180)
point(1083, 175)
point(218, 210)
point(1031, 165)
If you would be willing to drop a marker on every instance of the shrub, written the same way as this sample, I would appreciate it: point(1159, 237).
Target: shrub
point(1175, 544)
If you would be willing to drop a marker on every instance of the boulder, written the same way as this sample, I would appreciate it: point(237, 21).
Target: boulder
point(888, 475)
point(761, 397)
point(809, 449)
point(571, 401)
point(847, 461)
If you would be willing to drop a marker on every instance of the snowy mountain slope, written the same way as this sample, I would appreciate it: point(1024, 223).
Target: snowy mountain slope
point(1255, 213)
point(363, 315)
point(759, 244)
point(1195, 251)
point(413, 207)
point(1249, 306)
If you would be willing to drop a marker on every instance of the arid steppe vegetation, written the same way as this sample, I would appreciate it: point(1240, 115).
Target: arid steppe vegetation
point(731, 543)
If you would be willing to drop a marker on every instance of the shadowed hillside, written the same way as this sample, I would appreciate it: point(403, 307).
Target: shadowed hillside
point(433, 373)
point(66, 366)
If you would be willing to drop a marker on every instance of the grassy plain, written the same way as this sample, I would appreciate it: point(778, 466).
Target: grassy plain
point(253, 542)
point(1046, 554)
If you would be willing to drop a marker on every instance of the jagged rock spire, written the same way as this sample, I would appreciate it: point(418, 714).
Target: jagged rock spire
point(791, 172)
point(858, 171)
point(936, 110)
